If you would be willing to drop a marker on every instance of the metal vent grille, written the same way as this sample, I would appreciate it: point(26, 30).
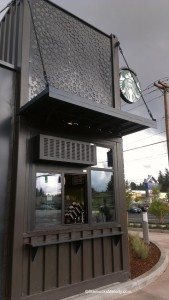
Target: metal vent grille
point(64, 150)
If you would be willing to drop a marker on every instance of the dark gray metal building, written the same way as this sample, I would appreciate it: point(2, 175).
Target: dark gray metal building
point(62, 194)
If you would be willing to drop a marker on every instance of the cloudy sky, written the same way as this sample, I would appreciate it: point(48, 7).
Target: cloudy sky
point(142, 29)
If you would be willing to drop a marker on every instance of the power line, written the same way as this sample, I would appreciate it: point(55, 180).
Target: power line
point(126, 104)
point(145, 146)
point(143, 104)
point(147, 137)
point(148, 93)
point(161, 154)
point(151, 85)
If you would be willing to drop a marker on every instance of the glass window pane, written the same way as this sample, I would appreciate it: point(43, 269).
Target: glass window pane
point(48, 199)
point(104, 157)
point(103, 204)
point(75, 198)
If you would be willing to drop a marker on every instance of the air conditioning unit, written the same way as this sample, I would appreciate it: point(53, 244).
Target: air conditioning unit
point(56, 149)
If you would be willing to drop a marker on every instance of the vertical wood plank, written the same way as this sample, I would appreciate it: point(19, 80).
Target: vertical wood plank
point(98, 261)
point(76, 258)
point(51, 252)
point(117, 256)
point(87, 260)
point(76, 264)
point(25, 275)
point(108, 255)
point(50, 267)
point(63, 265)
point(36, 270)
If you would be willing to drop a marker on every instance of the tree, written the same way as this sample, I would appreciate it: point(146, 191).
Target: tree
point(158, 206)
point(135, 186)
point(163, 180)
point(110, 185)
point(129, 198)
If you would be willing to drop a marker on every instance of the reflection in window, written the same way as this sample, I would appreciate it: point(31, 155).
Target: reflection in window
point(75, 198)
point(48, 199)
point(103, 206)
point(104, 157)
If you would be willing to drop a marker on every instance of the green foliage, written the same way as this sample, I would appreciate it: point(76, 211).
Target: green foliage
point(140, 199)
point(129, 198)
point(155, 193)
point(139, 247)
point(135, 186)
point(158, 206)
point(167, 196)
point(163, 180)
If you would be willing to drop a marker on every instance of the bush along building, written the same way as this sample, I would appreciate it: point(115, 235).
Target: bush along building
point(63, 215)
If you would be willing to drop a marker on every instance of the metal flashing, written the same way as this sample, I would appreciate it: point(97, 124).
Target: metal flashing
point(62, 106)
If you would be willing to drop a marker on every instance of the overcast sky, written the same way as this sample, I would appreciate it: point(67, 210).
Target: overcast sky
point(142, 27)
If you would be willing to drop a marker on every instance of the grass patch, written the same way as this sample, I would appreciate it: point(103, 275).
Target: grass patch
point(138, 246)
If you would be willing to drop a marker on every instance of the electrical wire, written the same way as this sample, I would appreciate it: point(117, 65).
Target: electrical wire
point(126, 104)
point(148, 137)
point(138, 159)
point(150, 114)
point(158, 97)
point(148, 93)
point(151, 85)
point(145, 146)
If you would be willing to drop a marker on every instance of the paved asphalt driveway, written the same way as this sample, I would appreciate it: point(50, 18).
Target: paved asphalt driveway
point(158, 290)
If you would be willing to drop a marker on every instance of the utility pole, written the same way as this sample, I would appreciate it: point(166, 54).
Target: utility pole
point(165, 88)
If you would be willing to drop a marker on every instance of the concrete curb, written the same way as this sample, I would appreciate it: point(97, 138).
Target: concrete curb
point(117, 290)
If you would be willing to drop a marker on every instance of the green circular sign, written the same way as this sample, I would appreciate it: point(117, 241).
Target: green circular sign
point(130, 89)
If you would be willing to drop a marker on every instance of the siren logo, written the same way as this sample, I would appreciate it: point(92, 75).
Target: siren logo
point(129, 86)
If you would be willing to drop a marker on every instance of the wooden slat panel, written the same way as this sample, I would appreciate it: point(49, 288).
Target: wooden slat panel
point(117, 257)
point(25, 276)
point(98, 259)
point(108, 255)
point(63, 264)
point(76, 263)
point(36, 271)
point(87, 260)
point(50, 267)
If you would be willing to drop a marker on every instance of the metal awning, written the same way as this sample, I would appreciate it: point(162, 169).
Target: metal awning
point(61, 106)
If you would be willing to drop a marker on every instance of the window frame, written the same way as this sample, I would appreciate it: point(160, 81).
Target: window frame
point(62, 168)
point(55, 169)
point(110, 170)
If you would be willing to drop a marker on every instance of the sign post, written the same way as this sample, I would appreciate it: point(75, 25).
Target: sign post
point(145, 227)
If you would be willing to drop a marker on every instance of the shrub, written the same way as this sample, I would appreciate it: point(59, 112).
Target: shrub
point(159, 209)
point(138, 246)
